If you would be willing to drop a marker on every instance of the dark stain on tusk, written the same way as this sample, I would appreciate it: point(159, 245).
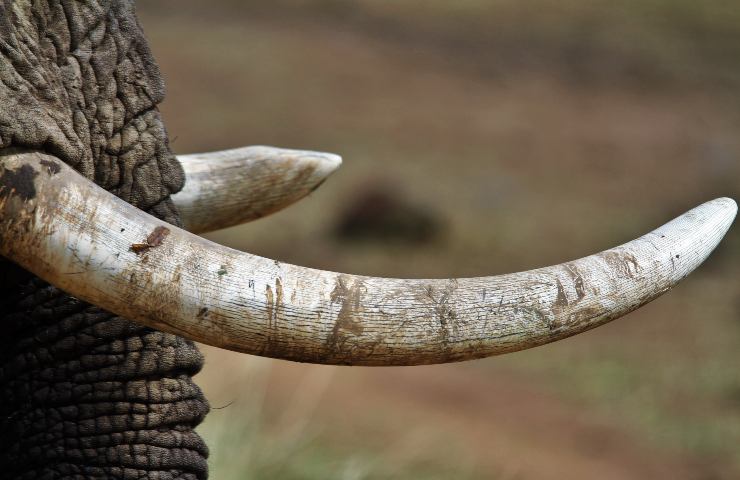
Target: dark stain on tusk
point(155, 239)
point(19, 182)
point(52, 167)
point(348, 296)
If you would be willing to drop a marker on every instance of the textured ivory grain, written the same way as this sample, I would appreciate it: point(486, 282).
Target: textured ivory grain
point(236, 186)
point(80, 238)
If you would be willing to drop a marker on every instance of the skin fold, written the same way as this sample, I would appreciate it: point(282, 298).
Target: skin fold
point(87, 394)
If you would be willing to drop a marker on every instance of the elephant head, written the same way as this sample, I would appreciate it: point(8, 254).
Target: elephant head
point(109, 283)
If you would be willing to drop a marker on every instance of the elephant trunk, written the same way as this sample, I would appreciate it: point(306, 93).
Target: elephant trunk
point(85, 393)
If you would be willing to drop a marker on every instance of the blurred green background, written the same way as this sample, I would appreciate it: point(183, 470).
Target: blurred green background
point(526, 133)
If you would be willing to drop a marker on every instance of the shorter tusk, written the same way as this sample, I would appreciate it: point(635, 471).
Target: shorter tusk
point(91, 244)
point(231, 187)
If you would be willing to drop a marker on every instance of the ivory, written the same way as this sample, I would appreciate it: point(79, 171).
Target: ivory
point(231, 187)
point(89, 243)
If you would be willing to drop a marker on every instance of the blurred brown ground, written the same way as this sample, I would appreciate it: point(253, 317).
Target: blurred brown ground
point(536, 132)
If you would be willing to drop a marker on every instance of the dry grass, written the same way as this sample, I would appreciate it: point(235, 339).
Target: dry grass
point(271, 429)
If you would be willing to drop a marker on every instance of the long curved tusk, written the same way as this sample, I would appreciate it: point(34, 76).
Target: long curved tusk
point(227, 188)
point(82, 239)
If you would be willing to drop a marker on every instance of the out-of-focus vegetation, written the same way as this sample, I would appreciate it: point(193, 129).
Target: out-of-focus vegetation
point(647, 42)
point(534, 132)
point(276, 436)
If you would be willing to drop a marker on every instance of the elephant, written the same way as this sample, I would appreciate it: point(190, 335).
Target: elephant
point(106, 285)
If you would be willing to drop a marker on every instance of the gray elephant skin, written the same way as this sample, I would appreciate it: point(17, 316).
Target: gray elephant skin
point(84, 393)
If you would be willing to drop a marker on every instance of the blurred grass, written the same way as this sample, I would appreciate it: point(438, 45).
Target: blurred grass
point(539, 132)
point(677, 388)
point(284, 438)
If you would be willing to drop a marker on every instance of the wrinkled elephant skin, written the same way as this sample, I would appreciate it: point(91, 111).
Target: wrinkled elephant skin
point(86, 394)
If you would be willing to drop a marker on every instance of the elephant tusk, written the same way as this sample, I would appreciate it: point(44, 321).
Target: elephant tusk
point(91, 244)
point(227, 188)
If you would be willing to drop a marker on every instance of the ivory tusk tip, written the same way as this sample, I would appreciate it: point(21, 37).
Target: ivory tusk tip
point(705, 226)
point(322, 164)
point(731, 206)
point(308, 169)
point(327, 162)
point(725, 212)
point(235, 186)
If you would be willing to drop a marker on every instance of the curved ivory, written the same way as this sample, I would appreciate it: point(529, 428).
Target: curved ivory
point(227, 188)
point(86, 241)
